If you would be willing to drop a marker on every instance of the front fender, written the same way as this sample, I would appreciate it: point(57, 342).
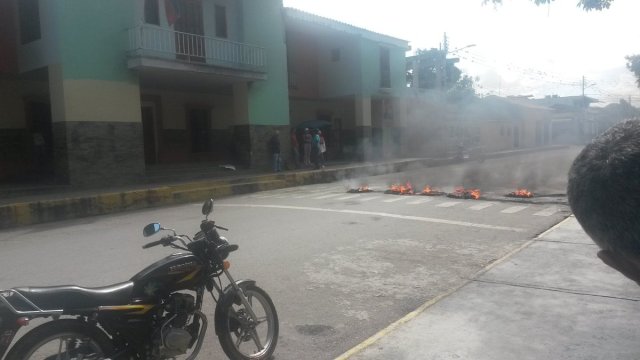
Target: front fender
point(227, 299)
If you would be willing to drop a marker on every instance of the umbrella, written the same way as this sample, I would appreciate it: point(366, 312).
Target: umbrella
point(313, 124)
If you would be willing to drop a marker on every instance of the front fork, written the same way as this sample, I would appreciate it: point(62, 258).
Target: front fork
point(242, 297)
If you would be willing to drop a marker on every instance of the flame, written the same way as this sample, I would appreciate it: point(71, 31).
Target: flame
point(360, 189)
point(474, 193)
point(461, 192)
point(521, 193)
point(401, 189)
point(428, 190)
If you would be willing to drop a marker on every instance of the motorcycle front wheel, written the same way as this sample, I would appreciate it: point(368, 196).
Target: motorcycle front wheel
point(62, 339)
point(244, 338)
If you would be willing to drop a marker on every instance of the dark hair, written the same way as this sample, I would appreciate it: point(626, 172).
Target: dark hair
point(604, 188)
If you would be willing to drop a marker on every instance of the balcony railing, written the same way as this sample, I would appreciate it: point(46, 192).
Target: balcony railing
point(154, 41)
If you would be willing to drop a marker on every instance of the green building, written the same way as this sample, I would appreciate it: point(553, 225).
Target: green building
point(96, 92)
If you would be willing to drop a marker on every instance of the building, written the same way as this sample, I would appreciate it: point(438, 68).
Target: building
point(94, 91)
point(352, 79)
point(97, 92)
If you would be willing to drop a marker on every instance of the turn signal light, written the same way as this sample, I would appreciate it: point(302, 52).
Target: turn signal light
point(22, 321)
point(226, 265)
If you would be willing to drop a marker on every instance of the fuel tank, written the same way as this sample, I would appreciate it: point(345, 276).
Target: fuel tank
point(175, 272)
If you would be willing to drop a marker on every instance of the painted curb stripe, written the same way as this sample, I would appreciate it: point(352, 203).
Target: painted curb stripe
point(381, 214)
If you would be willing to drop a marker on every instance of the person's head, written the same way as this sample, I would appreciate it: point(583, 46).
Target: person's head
point(604, 195)
point(306, 130)
point(319, 132)
point(276, 132)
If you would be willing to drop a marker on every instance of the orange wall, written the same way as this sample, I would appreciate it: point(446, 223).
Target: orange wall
point(302, 54)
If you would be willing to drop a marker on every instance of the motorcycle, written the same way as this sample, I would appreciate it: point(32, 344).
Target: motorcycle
point(155, 315)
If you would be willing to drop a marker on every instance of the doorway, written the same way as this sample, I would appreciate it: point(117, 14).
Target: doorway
point(38, 116)
point(149, 133)
point(189, 32)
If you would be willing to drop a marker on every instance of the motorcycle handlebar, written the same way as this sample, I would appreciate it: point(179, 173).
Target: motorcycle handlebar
point(164, 241)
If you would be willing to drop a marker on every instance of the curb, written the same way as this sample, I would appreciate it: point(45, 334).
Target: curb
point(35, 212)
point(28, 213)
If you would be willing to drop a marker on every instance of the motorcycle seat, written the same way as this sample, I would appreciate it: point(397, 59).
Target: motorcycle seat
point(75, 297)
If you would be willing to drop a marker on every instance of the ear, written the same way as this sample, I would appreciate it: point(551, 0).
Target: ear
point(628, 265)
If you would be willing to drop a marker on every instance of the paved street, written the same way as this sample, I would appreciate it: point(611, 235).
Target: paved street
point(338, 266)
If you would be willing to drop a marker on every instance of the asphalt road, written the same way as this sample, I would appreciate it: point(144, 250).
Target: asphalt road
point(338, 266)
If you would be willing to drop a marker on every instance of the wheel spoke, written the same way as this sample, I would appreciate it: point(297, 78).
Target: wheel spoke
point(60, 350)
point(239, 341)
point(256, 339)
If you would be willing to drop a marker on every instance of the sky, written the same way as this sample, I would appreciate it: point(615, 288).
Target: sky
point(518, 48)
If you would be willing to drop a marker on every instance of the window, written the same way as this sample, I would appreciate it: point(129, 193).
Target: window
point(151, 14)
point(29, 16)
point(335, 54)
point(221, 21)
point(385, 68)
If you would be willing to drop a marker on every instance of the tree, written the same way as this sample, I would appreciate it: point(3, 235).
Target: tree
point(587, 5)
point(431, 69)
point(633, 64)
point(463, 90)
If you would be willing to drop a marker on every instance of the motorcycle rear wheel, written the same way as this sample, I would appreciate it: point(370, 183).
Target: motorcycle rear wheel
point(62, 339)
point(243, 340)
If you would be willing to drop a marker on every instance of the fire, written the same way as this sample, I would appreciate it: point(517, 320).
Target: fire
point(361, 189)
point(523, 193)
point(401, 189)
point(430, 191)
point(462, 193)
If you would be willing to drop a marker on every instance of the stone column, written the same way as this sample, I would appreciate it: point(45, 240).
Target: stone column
point(97, 130)
point(363, 127)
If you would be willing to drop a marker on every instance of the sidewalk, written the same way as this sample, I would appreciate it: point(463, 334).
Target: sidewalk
point(61, 203)
point(33, 205)
point(553, 299)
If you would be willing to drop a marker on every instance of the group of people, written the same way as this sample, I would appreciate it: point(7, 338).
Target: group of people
point(313, 148)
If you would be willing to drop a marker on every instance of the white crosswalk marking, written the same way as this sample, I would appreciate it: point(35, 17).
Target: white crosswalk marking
point(304, 195)
point(420, 201)
point(265, 196)
point(394, 199)
point(548, 211)
point(349, 197)
point(513, 209)
point(369, 198)
point(481, 206)
point(326, 196)
point(448, 204)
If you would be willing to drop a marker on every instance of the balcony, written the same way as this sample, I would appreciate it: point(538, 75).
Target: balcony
point(154, 48)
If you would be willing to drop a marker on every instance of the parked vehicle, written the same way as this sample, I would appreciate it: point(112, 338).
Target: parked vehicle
point(157, 314)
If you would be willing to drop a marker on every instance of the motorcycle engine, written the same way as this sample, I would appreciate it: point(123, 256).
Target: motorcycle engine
point(176, 336)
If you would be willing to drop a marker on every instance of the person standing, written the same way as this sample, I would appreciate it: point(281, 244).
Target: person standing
point(274, 148)
point(306, 138)
point(323, 149)
point(295, 149)
point(315, 149)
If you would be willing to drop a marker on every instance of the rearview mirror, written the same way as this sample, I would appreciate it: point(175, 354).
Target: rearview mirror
point(151, 229)
point(207, 207)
